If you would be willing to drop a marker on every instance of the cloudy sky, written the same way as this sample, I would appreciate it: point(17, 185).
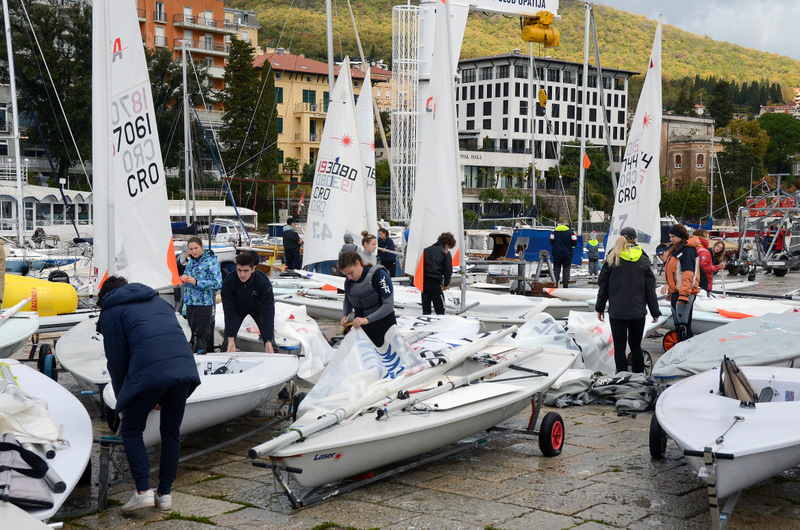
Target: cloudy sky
point(768, 25)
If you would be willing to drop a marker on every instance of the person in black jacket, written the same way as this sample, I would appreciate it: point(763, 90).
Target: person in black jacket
point(386, 254)
point(563, 240)
point(248, 292)
point(151, 366)
point(291, 245)
point(628, 284)
point(437, 270)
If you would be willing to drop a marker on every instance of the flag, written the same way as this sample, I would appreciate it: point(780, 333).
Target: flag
point(302, 200)
point(586, 161)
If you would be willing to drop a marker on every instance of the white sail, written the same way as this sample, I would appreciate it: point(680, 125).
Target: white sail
point(131, 216)
point(338, 203)
point(437, 194)
point(366, 135)
point(639, 188)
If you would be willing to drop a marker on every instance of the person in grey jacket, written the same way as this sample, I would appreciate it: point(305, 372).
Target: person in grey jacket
point(368, 291)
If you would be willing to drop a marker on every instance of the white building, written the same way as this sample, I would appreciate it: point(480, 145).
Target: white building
point(493, 99)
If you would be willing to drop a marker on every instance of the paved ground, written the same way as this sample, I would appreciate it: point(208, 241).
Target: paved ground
point(604, 478)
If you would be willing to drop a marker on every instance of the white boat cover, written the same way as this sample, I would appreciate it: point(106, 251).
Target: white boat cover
point(25, 416)
point(544, 330)
point(758, 341)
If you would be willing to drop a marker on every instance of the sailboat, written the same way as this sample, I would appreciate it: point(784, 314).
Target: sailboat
point(338, 202)
point(133, 235)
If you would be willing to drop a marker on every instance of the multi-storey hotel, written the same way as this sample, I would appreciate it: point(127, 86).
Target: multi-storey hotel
point(493, 99)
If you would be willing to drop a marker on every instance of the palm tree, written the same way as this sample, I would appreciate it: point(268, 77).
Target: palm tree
point(291, 165)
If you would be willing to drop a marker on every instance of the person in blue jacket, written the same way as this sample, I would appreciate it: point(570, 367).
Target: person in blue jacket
point(201, 278)
point(151, 367)
point(563, 240)
point(628, 284)
point(248, 292)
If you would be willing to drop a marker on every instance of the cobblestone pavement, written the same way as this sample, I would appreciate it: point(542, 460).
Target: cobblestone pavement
point(604, 478)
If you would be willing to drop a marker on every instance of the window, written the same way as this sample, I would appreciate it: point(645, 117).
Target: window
point(463, 92)
point(209, 41)
point(569, 77)
point(480, 92)
point(377, 92)
point(525, 90)
point(555, 110)
point(550, 150)
point(570, 112)
point(489, 91)
point(552, 75)
point(555, 128)
point(497, 89)
point(3, 147)
point(280, 125)
point(502, 71)
point(468, 76)
point(503, 144)
point(594, 98)
point(677, 161)
point(486, 73)
point(158, 12)
point(520, 71)
point(387, 94)
point(592, 81)
point(472, 92)
point(505, 106)
point(619, 83)
point(209, 61)
point(505, 90)
point(505, 125)
point(487, 108)
point(470, 110)
point(278, 75)
point(592, 115)
point(310, 96)
point(245, 36)
point(701, 161)
point(607, 83)
point(470, 125)
point(516, 124)
point(616, 100)
point(278, 94)
point(355, 83)
point(523, 108)
point(516, 90)
point(621, 116)
point(160, 38)
point(487, 124)
point(524, 126)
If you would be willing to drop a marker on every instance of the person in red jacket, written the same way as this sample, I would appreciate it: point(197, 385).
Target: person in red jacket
point(706, 261)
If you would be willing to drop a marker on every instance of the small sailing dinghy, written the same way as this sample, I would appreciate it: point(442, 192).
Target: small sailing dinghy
point(373, 407)
point(53, 421)
point(735, 442)
point(231, 384)
point(16, 327)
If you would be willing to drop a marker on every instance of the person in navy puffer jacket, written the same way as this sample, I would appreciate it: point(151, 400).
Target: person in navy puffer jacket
point(201, 277)
point(151, 366)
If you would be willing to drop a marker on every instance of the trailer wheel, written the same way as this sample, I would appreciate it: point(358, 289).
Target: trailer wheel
point(780, 272)
point(44, 351)
point(551, 434)
point(742, 271)
point(50, 368)
point(751, 276)
point(648, 363)
point(658, 439)
point(669, 340)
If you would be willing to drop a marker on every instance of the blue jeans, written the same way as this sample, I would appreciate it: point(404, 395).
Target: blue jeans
point(134, 419)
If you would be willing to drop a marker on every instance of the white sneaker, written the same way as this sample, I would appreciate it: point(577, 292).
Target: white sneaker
point(139, 501)
point(163, 502)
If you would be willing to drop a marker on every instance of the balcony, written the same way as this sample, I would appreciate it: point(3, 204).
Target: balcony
point(160, 17)
point(142, 15)
point(312, 138)
point(202, 46)
point(203, 23)
point(314, 108)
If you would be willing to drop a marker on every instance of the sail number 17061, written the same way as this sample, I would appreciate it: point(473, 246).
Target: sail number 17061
point(135, 143)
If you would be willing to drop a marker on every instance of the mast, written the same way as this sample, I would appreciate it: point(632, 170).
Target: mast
point(329, 31)
point(187, 153)
point(582, 170)
point(711, 177)
point(15, 124)
point(532, 110)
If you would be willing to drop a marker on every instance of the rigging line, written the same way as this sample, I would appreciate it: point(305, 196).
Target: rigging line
point(338, 29)
point(205, 105)
point(63, 112)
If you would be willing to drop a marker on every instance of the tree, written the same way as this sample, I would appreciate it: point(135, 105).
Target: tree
point(721, 106)
point(784, 141)
point(490, 196)
point(684, 104)
point(291, 165)
point(250, 134)
point(738, 162)
point(383, 175)
point(65, 34)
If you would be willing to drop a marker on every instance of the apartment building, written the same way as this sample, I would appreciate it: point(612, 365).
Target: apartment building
point(246, 23)
point(301, 86)
point(493, 99)
point(199, 25)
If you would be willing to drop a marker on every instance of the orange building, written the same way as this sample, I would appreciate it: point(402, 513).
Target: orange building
point(200, 25)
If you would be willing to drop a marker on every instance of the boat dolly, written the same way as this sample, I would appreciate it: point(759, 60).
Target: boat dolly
point(551, 442)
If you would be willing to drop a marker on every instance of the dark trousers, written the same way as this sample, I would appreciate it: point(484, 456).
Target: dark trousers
point(558, 265)
point(628, 333)
point(391, 268)
point(682, 317)
point(594, 267)
point(201, 322)
point(432, 293)
point(134, 419)
point(376, 331)
point(292, 259)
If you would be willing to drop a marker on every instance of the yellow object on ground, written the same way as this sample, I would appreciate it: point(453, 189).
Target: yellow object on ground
point(47, 298)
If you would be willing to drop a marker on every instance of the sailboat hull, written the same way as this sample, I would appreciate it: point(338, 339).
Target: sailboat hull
point(365, 444)
point(763, 443)
point(16, 331)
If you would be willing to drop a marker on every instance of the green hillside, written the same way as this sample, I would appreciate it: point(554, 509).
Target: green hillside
point(624, 39)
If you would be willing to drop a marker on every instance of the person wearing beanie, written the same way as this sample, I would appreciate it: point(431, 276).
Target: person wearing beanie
point(628, 285)
point(348, 244)
point(682, 273)
point(563, 240)
point(707, 266)
point(593, 253)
